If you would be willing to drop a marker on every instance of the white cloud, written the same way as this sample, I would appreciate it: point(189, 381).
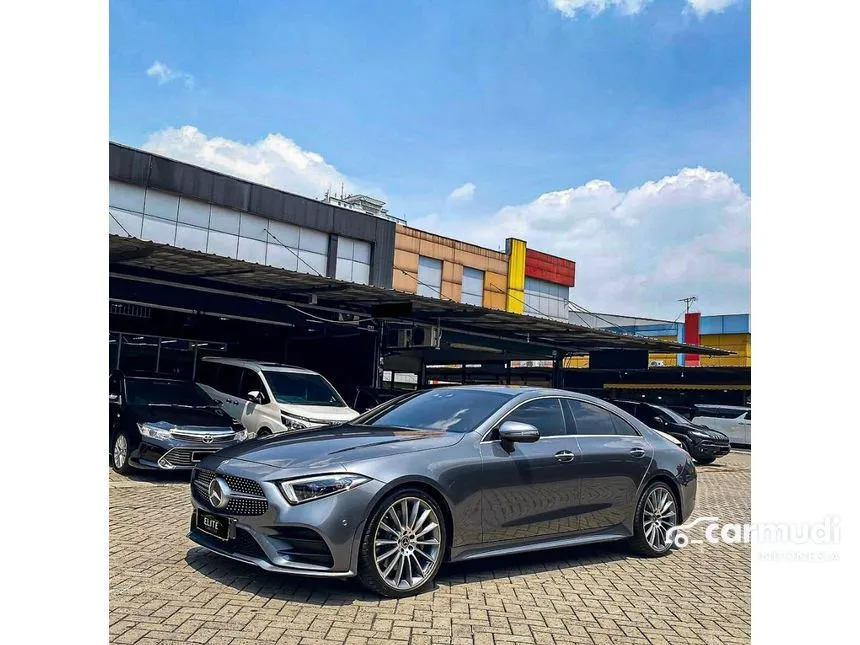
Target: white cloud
point(570, 8)
point(464, 193)
point(276, 161)
point(164, 74)
point(703, 7)
point(637, 251)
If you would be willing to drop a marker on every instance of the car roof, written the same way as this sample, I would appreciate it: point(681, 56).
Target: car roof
point(521, 390)
point(260, 365)
point(141, 375)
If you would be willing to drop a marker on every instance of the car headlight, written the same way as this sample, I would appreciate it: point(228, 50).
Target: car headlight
point(294, 422)
point(241, 435)
point(155, 431)
point(298, 491)
point(699, 435)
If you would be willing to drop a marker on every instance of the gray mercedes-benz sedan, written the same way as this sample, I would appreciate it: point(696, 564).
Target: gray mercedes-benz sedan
point(448, 474)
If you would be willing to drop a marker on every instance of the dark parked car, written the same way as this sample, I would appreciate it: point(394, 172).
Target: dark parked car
point(453, 473)
point(164, 423)
point(703, 443)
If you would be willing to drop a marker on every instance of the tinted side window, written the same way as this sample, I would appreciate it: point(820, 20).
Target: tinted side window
point(227, 380)
point(251, 381)
point(622, 427)
point(543, 414)
point(590, 419)
point(207, 373)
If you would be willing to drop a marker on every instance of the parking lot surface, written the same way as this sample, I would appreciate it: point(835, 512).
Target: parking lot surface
point(165, 589)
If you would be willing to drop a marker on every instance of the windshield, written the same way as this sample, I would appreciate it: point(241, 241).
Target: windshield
point(303, 389)
point(152, 391)
point(447, 410)
point(677, 418)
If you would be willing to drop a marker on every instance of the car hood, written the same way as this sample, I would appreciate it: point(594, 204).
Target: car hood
point(319, 413)
point(685, 428)
point(335, 447)
point(181, 416)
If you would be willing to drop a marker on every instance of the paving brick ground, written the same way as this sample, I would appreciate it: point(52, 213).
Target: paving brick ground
point(164, 589)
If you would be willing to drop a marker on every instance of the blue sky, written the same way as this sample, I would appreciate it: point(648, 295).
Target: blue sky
point(411, 99)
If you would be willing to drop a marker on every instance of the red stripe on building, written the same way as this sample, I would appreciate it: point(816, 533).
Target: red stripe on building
point(691, 337)
point(550, 268)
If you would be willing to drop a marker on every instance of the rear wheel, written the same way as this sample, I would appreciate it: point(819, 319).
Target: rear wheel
point(656, 514)
point(403, 545)
point(120, 452)
point(264, 432)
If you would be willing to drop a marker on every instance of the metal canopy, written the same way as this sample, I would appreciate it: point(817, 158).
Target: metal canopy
point(133, 258)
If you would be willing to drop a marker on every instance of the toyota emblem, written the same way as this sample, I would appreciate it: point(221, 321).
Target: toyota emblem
point(219, 493)
point(207, 438)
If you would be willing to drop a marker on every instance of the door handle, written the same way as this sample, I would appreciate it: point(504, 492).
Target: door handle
point(564, 456)
point(637, 451)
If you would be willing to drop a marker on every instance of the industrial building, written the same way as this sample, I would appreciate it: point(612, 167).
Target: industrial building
point(204, 263)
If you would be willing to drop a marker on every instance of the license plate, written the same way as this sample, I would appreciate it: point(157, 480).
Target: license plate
point(214, 525)
point(198, 455)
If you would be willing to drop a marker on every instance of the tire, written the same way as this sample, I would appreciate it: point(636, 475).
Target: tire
point(421, 546)
point(263, 432)
point(644, 542)
point(704, 461)
point(119, 455)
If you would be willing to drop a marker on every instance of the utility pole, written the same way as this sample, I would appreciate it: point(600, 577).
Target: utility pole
point(688, 301)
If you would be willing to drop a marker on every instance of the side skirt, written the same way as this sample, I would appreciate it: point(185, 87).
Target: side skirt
point(474, 552)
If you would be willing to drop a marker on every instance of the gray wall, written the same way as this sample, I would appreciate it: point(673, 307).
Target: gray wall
point(147, 170)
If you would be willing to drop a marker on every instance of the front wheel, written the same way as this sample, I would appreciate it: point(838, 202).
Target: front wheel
point(704, 461)
point(656, 514)
point(119, 453)
point(403, 545)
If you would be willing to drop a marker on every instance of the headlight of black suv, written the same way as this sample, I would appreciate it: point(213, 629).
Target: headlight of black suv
point(298, 491)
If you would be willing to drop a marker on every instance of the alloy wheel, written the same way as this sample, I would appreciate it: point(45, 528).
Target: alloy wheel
point(120, 451)
point(658, 517)
point(407, 544)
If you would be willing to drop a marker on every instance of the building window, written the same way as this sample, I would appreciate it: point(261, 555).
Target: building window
point(353, 260)
point(546, 299)
point(473, 287)
point(429, 277)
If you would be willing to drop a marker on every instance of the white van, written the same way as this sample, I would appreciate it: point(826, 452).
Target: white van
point(269, 398)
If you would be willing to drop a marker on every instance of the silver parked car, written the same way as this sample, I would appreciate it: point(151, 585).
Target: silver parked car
point(449, 474)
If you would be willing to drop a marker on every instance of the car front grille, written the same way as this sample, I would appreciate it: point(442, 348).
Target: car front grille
point(218, 436)
point(183, 457)
point(254, 504)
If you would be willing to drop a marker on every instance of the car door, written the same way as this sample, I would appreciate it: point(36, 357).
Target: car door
point(254, 415)
point(744, 428)
point(531, 490)
point(613, 462)
point(114, 406)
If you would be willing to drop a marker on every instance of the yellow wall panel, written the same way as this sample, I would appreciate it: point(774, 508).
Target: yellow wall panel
point(516, 277)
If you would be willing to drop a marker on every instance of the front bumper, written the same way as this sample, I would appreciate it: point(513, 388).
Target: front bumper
point(317, 538)
point(709, 448)
point(173, 454)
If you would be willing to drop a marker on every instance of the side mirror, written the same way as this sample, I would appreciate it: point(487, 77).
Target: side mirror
point(255, 396)
point(114, 398)
point(514, 431)
point(658, 421)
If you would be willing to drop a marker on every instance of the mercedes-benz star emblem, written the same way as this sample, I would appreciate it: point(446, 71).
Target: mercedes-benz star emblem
point(219, 493)
point(207, 438)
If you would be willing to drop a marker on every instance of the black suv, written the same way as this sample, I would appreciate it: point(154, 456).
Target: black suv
point(159, 422)
point(703, 444)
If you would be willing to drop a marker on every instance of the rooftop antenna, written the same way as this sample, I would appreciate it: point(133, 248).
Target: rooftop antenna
point(688, 301)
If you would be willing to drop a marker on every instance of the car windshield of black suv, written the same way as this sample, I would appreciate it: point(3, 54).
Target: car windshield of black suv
point(303, 389)
point(447, 410)
point(150, 391)
point(674, 416)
